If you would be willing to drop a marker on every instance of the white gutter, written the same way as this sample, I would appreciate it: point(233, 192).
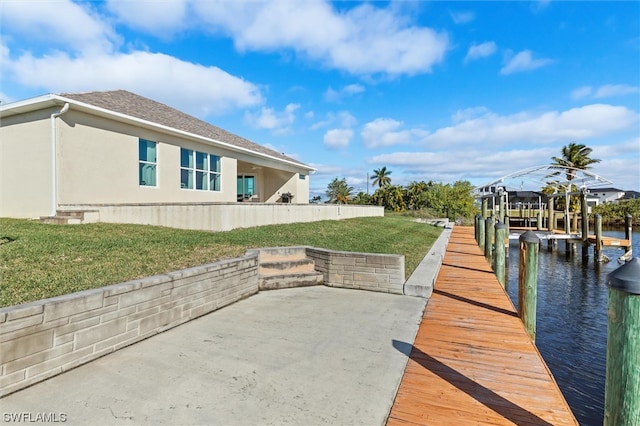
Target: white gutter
point(54, 183)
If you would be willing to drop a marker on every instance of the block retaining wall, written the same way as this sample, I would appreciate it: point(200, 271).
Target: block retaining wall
point(45, 338)
point(364, 271)
point(42, 339)
point(221, 216)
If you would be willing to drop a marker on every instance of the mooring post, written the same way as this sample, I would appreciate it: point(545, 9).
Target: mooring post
point(506, 224)
point(539, 219)
point(485, 202)
point(488, 240)
point(499, 257)
point(622, 384)
point(597, 250)
point(481, 232)
point(585, 223)
point(501, 211)
point(550, 224)
point(528, 281)
point(628, 232)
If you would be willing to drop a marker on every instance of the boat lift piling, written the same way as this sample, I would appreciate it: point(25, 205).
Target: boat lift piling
point(549, 176)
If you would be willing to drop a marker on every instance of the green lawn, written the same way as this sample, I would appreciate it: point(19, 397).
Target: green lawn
point(39, 260)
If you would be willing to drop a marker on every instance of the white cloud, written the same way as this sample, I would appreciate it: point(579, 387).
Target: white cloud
point(462, 17)
point(523, 61)
point(338, 138)
point(587, 122)
point(470, 164)
point(612, 90)
point(62, 24)
point(161, 18)
point(270, 119)
point(469, 113)
point(192, 88)
point(332, 95)
point(539, 5)
point(605, 91)
point(483, 50)
point(581, 92)
point(80, 55)
point(343, 119)
point(384, 132)
point(363, 40)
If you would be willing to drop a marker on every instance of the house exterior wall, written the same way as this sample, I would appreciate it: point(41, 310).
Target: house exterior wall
point(302, 189)
point(88, 144)
point(25, 165)
point(97, 163)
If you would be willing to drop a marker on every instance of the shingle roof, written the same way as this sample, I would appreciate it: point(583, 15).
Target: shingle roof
point(124, 102)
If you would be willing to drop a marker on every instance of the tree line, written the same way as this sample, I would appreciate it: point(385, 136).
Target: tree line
point(454, 201)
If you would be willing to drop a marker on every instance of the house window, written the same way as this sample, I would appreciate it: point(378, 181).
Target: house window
point(246, 187)
point(199, 170)
point(147, 162)
point(302, 177)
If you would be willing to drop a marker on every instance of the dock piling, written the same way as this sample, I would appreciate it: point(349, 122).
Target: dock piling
point(481, 232)
point(622, 384)
point(528, 281)
point(500, 249)
point(628, 234)
point(585, 223)
point(501, 204)
point(597, 250)
point(488, 240)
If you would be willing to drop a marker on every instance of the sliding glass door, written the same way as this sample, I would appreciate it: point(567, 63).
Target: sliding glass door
point(246, 187)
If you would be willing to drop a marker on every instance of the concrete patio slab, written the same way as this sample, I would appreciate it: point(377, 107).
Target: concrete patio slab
point(301, 356)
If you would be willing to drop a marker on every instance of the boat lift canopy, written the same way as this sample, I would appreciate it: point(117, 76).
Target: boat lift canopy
point(561, 178)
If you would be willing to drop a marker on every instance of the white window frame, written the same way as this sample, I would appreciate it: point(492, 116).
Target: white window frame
point(195, 172)
point(150, 163)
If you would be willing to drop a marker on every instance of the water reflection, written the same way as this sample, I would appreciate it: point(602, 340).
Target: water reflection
point(572, 321)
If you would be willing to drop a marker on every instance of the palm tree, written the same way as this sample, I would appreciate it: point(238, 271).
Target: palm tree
point(574, 156)
point(338, 192)
point(381, 177)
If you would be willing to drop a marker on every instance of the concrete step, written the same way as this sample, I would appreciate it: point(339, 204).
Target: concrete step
point(272, 282)
point(286, 267)
point(72, 217)
point(61, 220)
point(282, 254)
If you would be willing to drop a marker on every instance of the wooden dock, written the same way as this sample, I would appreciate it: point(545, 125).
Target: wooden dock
point(610, 241)
point(472, 362)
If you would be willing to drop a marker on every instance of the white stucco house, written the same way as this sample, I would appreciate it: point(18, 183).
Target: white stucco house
point(118, 148)
point(607, 195)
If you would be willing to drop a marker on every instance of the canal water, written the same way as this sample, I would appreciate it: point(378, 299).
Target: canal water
point(572, 320)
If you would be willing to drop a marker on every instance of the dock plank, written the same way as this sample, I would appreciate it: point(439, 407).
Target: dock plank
point(472, 361)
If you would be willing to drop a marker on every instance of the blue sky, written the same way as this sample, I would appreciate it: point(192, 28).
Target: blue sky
point(438, 91)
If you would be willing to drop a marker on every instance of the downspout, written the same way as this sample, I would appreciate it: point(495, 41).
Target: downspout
point(54, 183)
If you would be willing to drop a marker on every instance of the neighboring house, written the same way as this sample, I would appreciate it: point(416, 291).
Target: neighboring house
point(631, 195)
point(607, 195)
point(529, 199)
point(118, 147)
